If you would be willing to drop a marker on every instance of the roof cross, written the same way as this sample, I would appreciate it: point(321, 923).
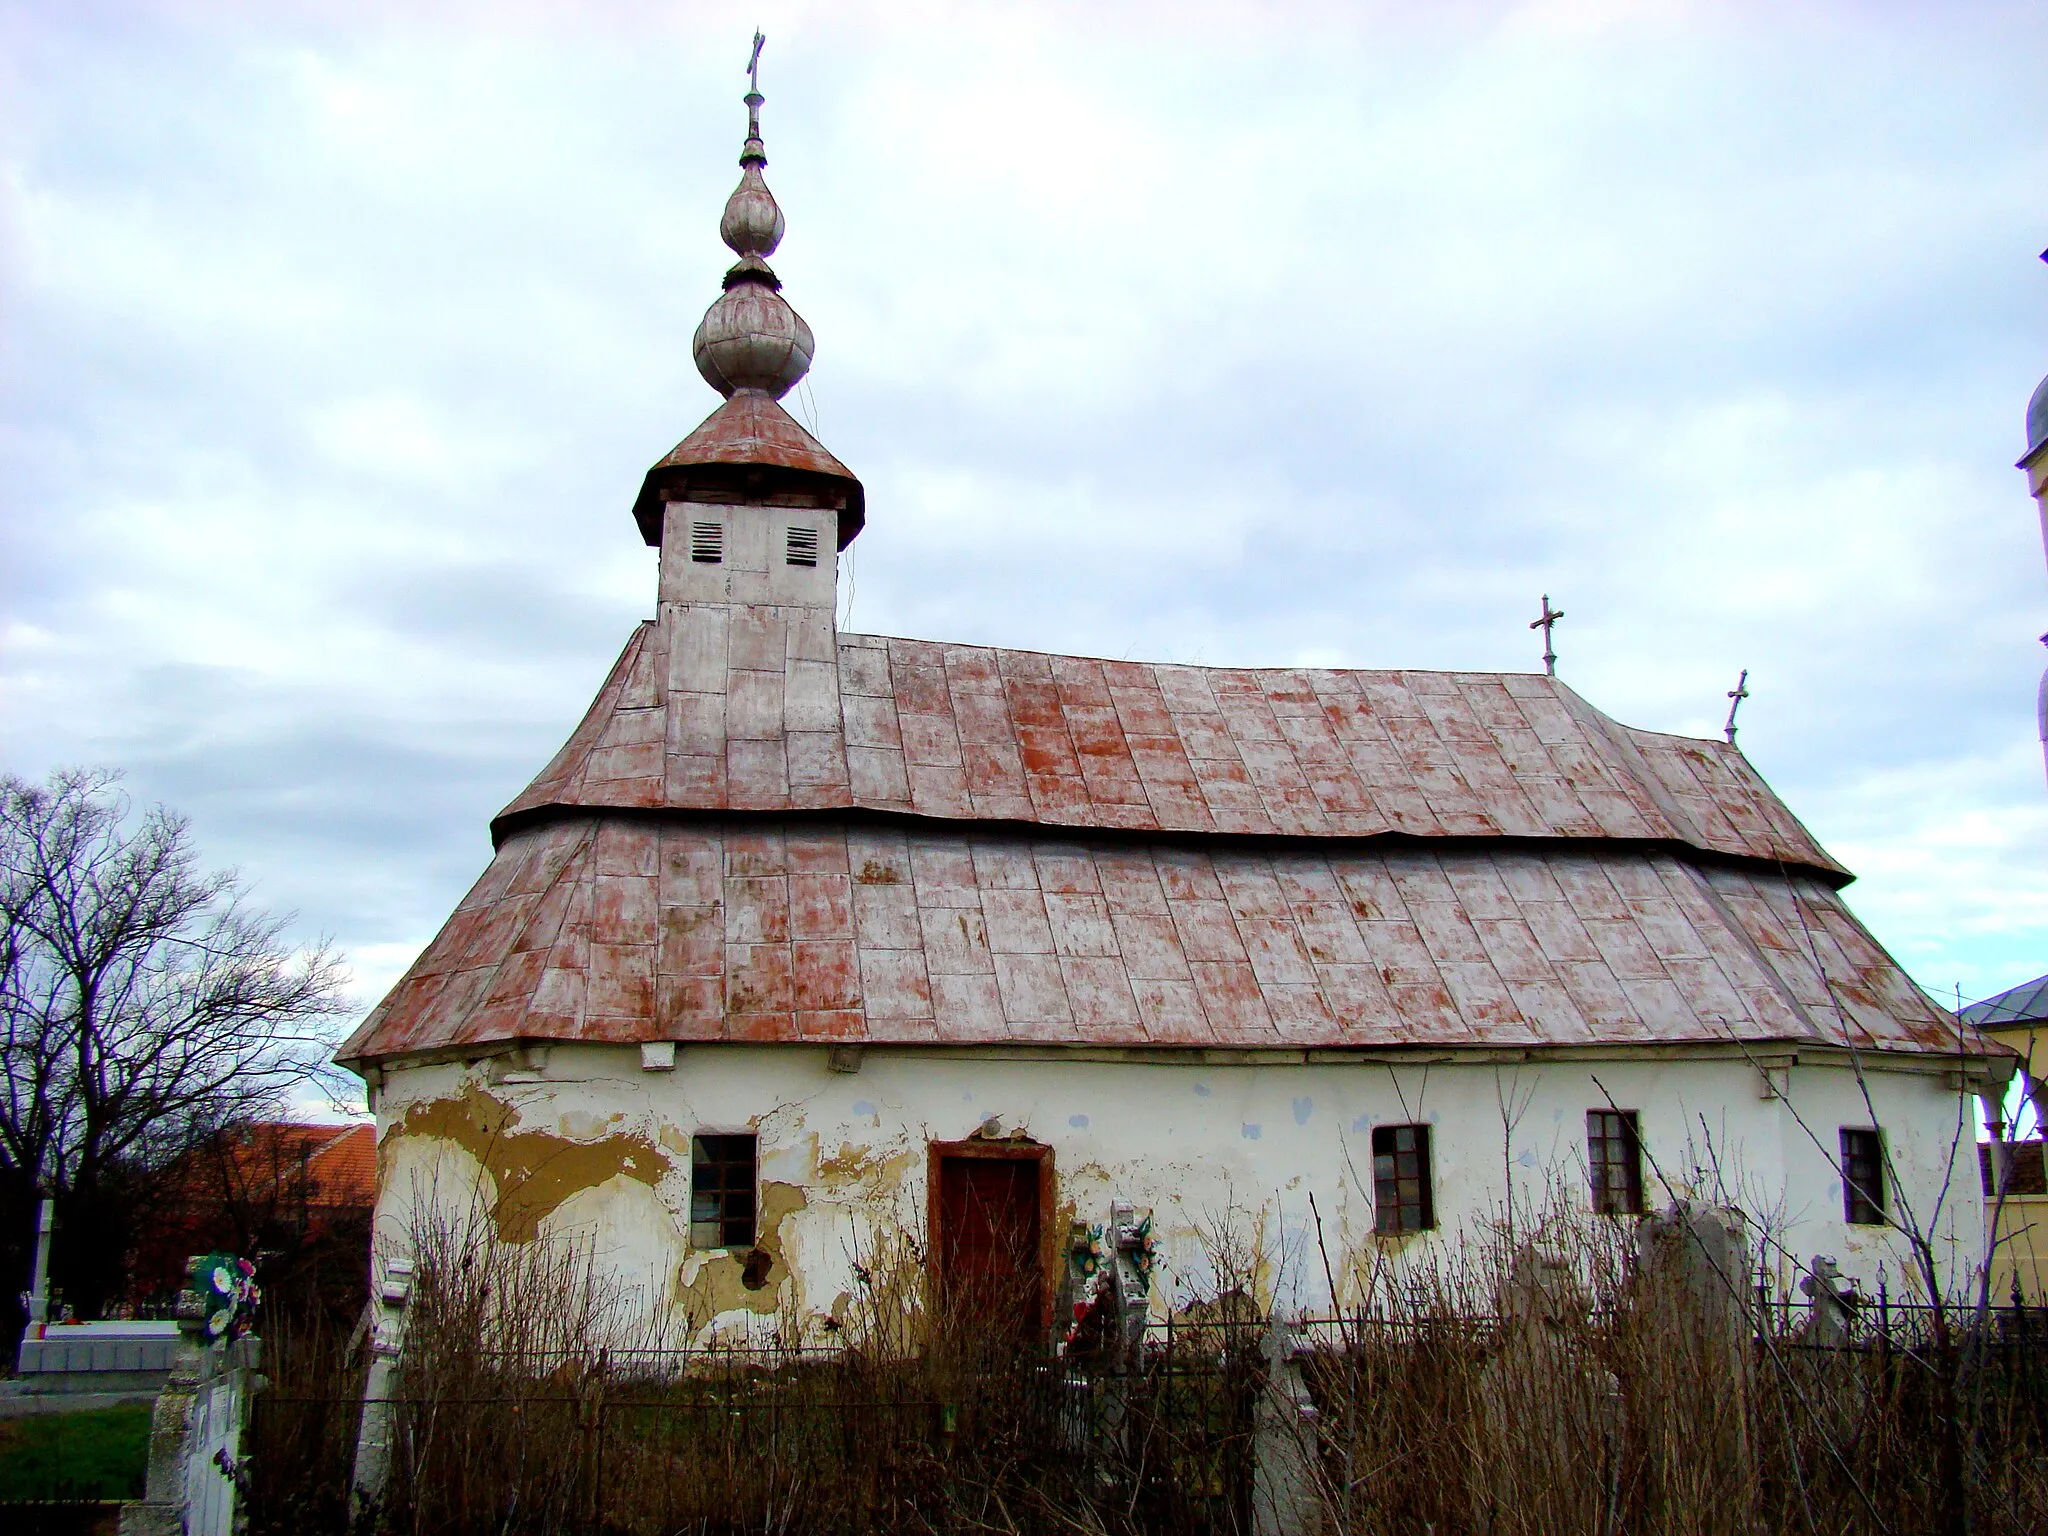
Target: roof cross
point(1549, 619)
point(754, 97)
point(1735, 697)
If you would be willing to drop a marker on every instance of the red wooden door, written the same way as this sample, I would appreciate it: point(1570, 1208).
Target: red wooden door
point(988, 1238)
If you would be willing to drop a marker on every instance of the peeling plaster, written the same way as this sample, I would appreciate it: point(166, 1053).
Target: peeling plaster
point(602, 1148)
point(868, 1169)
point(715, 1282)
point(533, 1171)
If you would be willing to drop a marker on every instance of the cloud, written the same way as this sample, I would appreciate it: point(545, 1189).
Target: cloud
point(338, 339)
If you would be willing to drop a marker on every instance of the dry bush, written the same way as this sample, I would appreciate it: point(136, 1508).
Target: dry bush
point(535, 1398)
point(1552, 1383)
point(303, 1430)
point(1542, 1382)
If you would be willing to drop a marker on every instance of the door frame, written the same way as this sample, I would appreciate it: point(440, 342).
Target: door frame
point(1009, 1151)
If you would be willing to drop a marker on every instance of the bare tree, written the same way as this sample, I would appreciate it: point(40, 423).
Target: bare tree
point(144, 1004)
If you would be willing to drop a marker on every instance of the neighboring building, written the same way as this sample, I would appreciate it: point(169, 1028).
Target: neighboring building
point(272, 1186)
point(2035, 462)
point(2019, 1262)
point(2017, 1019)
point(809, 941)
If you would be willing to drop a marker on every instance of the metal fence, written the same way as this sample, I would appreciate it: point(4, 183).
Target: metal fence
point(653, 1443)
point(764, 1440)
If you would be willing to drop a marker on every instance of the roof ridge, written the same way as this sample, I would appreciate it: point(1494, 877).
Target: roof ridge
point(845, 635)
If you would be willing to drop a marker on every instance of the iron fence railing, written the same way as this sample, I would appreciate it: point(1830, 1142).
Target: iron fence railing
point(742, 1438)
point(652, 1442)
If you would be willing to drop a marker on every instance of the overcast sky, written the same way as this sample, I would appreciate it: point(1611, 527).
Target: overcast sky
point(337, 342)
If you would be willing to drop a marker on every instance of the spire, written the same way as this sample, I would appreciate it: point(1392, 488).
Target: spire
point(750, 340)
point(752, 348)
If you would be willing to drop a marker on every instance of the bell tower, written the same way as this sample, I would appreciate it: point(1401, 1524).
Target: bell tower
point(750, 513)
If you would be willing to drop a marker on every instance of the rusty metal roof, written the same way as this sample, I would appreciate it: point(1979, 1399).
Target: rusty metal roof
point(952, 844)
point(971, 734)
point(610, 927)
point(747, 448)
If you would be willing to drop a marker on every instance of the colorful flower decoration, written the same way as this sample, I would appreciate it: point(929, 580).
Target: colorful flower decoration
point(1087, 1249)
point(228, 1293)
point(1144, 1252)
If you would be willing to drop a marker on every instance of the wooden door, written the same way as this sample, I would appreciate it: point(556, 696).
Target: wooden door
point(989, 1232)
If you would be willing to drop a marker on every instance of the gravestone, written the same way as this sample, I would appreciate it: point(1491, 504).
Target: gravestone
point(1284, 1484)
point(1547, 1424)
point(1832, 1303)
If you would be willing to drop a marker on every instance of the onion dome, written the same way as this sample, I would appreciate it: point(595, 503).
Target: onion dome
point(2037, 421)
point(752, 348)
point(750, 339)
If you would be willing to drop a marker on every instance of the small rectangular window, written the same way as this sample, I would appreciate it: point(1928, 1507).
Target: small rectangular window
point(1615, 1158)
point(802, 548)
point(1400, 1179)
point(1862, 1178)
point(722, 1191)
point(707, 543)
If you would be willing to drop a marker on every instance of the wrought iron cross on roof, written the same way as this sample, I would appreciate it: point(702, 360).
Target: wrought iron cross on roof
point(1735, 697)
point(1546, 623)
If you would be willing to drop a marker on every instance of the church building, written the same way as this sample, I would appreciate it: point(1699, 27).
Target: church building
point(810, 947)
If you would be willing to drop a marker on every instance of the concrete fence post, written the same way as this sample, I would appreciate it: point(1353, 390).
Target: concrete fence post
point(192, 1484)
point(162, 1509)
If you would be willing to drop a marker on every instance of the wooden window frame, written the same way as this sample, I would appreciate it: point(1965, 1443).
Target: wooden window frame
point(1626, 1129)
point(1863, 1199)
point(725, 1222)
point(1049, 1263)
point(1425, 1205)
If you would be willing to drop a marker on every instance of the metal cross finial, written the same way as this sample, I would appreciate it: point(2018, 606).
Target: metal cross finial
point(754, 88)
point(1550, 618)
point(1735, 697)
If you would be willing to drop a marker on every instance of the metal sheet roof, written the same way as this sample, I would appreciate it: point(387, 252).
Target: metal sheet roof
point(631, 928)
point(2026, 1003)
point(973, 734)
point(750, 440)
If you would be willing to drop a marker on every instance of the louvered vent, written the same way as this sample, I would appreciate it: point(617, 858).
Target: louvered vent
point(803, 547)
point(707, 543)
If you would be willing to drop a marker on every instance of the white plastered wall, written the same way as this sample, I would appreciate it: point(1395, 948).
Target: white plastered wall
point(752, 652)
point(1205, 1146)
point(754, 566)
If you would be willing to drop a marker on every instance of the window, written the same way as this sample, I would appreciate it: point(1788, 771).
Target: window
point(1862, 1178)
point(707, 543)
point(1400, 1179)
point(801, 547)
point(1614, 1157)
point(721, 1191)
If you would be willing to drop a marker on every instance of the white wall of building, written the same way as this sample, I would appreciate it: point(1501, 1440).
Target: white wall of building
point(580, 1142)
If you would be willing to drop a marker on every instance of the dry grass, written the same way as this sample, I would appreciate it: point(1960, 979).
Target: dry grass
point(1562, 1383)
point(1556, 1383)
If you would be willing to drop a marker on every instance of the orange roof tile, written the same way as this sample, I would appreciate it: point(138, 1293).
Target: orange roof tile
point(344, 1168)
